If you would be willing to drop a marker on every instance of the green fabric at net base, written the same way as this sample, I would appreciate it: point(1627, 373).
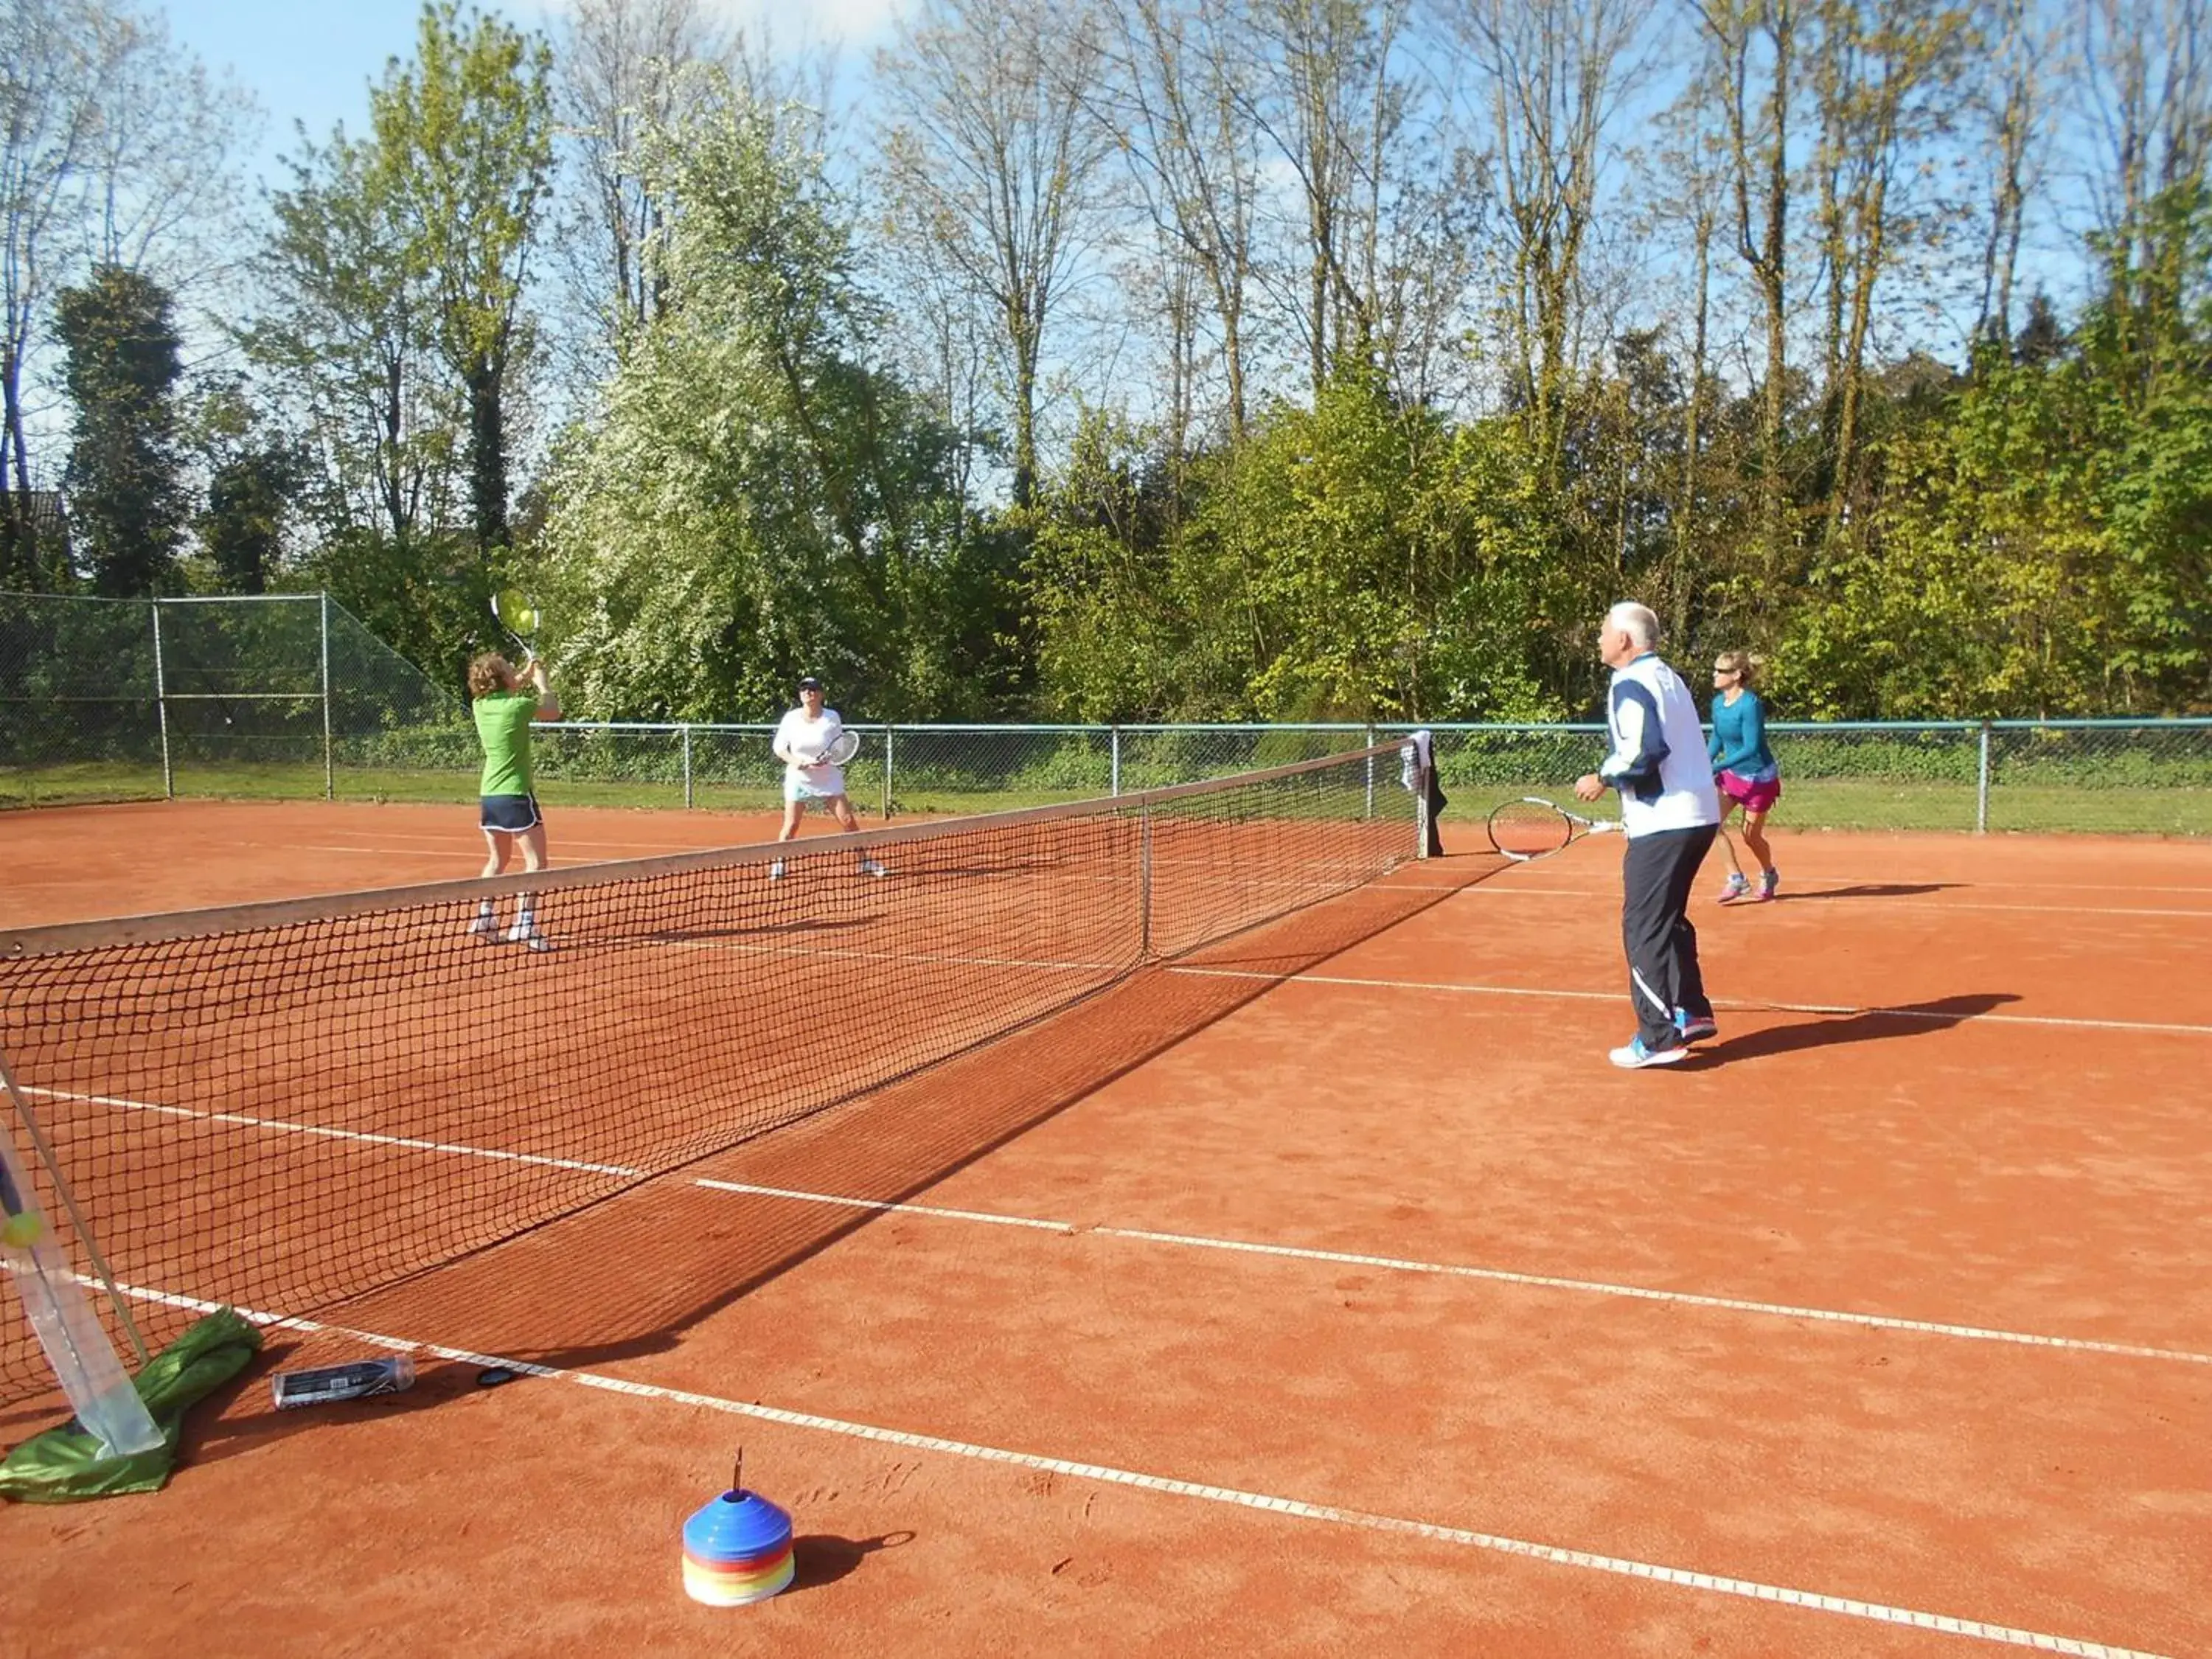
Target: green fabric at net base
point(65, 1465)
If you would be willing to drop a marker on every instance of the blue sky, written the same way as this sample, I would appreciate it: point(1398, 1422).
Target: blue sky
point(311, 61)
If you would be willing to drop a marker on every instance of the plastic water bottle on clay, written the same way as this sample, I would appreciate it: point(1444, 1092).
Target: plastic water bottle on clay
point(323, 1384)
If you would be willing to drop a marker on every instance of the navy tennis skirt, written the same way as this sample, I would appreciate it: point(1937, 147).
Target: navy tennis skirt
point(513, 813)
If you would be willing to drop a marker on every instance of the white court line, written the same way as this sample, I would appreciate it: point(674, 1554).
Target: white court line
point(2055, 886)
point(1491, 1275)
point(830, 952)
point(455, 855)
point(987, 1218)
point(1496, 1275)
point(1328, 1514)
point(1924, 901)
point(1929, 1014)
point(1827, 879)
point(362, 1136)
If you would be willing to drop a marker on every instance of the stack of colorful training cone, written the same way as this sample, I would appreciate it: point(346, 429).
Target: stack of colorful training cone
point(736, 1550)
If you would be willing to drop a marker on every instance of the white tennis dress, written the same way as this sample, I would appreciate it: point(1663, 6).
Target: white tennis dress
point(797, 735)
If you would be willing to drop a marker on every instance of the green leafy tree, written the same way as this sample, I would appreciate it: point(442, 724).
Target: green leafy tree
point(2043, 542)
point(759, 497)
point(1359, 560)
point(1112, 640)
point(392, 326)
point(125, 491)
point(252, 475)
point(1977, 590)
point(464, 145)
point(344, 339)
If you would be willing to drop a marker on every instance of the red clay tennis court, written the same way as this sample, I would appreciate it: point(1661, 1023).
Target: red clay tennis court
point(1320, 1289)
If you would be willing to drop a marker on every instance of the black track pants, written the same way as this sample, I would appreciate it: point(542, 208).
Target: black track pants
point(1656, 876)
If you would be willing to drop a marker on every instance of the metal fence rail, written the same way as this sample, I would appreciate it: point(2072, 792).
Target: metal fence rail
point(289, 696)
point(2108, 776)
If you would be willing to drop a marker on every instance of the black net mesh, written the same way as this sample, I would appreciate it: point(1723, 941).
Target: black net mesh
point(283, 1106)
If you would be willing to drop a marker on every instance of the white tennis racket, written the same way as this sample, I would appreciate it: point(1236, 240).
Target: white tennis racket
point(841, 750)
point(1532, 828)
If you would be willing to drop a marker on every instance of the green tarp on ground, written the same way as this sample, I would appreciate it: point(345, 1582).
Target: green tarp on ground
point(66, 1464)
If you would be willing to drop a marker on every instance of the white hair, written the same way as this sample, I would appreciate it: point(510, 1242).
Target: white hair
point(1638, 622)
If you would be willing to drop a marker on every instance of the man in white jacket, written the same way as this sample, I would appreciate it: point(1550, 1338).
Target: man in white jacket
point(1670, 812)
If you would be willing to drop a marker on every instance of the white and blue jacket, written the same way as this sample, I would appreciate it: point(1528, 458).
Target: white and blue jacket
point(1658, 762)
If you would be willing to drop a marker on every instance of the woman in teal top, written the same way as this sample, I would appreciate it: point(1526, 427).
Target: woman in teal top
point(1744, 768)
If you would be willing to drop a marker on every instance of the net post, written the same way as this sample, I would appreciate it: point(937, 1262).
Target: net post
point(161, 707)
point(43, 1149)
point(1421, 812)
point(330, 766)
point(1371, 741)
point(890, 733)
point(687, 766)
point(1982, 785)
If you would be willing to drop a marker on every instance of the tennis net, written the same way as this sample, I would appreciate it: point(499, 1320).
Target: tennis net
point(284, 1106)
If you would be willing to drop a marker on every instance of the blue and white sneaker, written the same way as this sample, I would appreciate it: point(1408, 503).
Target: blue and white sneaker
point(1636, 1055)
point(1695, 1028)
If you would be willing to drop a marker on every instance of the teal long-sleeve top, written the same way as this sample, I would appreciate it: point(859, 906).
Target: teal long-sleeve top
point(1739, 741)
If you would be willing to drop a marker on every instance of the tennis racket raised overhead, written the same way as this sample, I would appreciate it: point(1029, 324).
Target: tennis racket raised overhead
point(1529, 828)
point(515, 612)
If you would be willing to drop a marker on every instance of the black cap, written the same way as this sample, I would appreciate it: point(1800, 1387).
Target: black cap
point(808, 683)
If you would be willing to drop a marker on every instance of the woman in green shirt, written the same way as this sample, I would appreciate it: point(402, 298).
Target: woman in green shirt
point(504, 704)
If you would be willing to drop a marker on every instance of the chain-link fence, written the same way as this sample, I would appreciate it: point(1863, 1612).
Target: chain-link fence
point(2112, 777)
point(289, 696)
point(276, 695)
point(2101, 776)
point(79, 715)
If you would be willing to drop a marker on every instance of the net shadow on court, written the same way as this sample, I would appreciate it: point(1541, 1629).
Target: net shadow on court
point(309, 1108)
point(629, 1276)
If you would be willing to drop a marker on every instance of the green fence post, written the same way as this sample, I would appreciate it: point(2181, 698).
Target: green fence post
point(1982, 786)
point(162, 709)
point(330, 765)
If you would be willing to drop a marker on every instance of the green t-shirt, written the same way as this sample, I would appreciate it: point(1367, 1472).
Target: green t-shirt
point(503, 726)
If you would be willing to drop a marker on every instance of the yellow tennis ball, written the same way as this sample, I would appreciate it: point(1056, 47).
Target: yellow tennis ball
point(21, 1231)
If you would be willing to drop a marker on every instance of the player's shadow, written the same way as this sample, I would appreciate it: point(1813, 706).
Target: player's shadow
point(1866, 890)
point(1866, 1025)
point(819, 1559)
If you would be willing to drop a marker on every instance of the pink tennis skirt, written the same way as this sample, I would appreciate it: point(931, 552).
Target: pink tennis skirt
point(1756, 795)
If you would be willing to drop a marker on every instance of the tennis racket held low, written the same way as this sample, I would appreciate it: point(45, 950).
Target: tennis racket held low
point(1534, 827)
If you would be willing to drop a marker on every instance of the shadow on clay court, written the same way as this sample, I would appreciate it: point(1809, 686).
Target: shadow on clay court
point(1868, 1025)
point(1869, 890)
point(821, 1558)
